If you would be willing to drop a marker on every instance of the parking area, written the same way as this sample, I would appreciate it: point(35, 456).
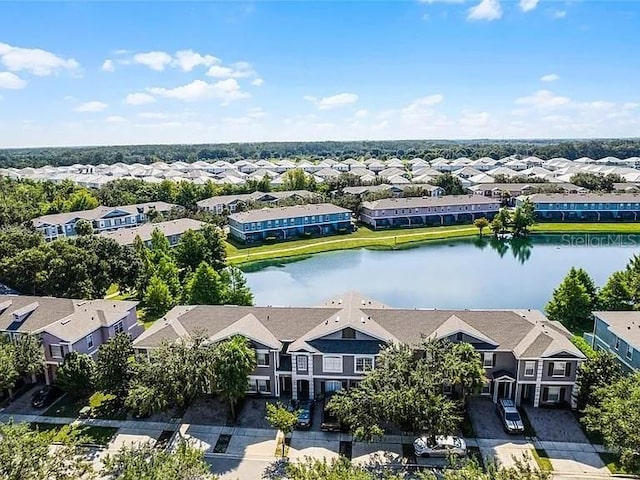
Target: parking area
point(22, 405)
point(555, 425)
point(485, 421)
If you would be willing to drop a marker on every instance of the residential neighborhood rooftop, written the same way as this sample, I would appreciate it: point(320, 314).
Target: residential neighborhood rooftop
point(126, 236)
point(625, 325)
point(417, 202)
point(287, 212)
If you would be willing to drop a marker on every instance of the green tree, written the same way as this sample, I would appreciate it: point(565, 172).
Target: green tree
point(570, 304)
point(206, 287)
point(295, 179)
point(84, 227)
point(235, 360)
point(215, 250)
point(16, 239)
point(465, 369)
point(190, 251)
point(144, 462)
point(77, 374)
point(8, 370)
point(81, 200)
point(159, 244)
point(29, 356)
point(281, 419)
point(157, 297)
point(615, 414)
point(26, 454)
point(114, 366)
point(501, 221)
point(452, 185)
point(481, 223)
point(599, 370)
point(615, 294)
point(237, 291)
point(167, 270)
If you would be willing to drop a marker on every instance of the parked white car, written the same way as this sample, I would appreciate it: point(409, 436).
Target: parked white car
point(439, 446)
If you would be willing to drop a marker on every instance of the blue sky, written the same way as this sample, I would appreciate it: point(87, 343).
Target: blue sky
point(87, 73)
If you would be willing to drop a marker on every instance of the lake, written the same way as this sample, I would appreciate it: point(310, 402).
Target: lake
point(465, 273)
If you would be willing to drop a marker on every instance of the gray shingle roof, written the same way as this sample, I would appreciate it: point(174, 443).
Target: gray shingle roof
point(625, 325)
point(418, 202)
point(585, 197)
point(62, 218)
point(126, 236)
point(287, 212)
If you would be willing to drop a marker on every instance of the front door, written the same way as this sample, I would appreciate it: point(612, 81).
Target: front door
point(303, 389)
point(285, 386)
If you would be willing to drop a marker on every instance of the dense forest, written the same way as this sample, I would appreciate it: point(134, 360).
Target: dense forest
point(427, 149)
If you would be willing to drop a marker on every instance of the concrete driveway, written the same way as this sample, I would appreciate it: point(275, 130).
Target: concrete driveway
point(22, 404)
point(580, 459)
point(486, 422)
point(555, 425)
point(506, 452)
point(315, 444)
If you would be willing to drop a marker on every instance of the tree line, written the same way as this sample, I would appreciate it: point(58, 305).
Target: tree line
point(403, 149)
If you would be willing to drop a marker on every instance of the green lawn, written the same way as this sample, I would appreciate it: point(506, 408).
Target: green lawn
point(542, 459)
point(88, 434)
point(102, 406)
point(390, 239)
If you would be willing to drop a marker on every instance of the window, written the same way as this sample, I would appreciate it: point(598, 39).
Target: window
point(301, 362)
point(617, 343)
point(529, 369)
point(332, 386)
point(56, 351)
point(348, 333)
point(558, 369)
point(332, 364)
point(264, 386)
point(629, 352)
point(118, 327)
point(262, 359)
point(553, 394)
point(364, 364)
point(486, 389)
point(90, 340)
point(487, 360)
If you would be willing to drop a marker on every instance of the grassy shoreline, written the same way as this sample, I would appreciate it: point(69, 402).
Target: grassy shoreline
point(391, 239)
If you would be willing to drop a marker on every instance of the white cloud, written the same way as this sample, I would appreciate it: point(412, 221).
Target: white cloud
point(154, 60)
point(237, 70)
point(551, 77)
point(475, 119)
point(226, 90)
point(187, 60)
point(486, 10)
point(528, 5)
point(558, 14)
point(34, 60)
point(543, 99)
point(258, 82)
point(108, 66)
point(334, 101)
point(94, 106)
point(139, 99)
point(362, 113)
point(115, 119)
point(11, 81)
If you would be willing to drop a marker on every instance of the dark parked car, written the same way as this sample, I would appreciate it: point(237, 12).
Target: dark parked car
point(330, 422)
point(45, 396)
point(305, 414)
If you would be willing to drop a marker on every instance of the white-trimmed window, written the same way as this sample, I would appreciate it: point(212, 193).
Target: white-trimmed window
point(118, 327)
point(56, 351)
point(629, 352)
point(529, 369)
point(617, 343)
point(363, 364)
point(302, 363)
point(264, 386)
point(90, 341)
point(559, 369)
point(332, 386)
point(486, 389)
point(332, 364)
point(553, 394)
point(262, 358)
point(487, 359)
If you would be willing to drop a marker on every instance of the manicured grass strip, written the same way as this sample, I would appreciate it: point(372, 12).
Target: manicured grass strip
point(87, 434)
point(392, 238)
point(542, 459)
point(612, 462)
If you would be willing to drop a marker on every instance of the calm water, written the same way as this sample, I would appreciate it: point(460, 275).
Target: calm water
point(453, 274)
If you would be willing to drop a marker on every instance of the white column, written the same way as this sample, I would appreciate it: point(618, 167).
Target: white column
point(310, 370)
point(536, 397)
point(294, 377)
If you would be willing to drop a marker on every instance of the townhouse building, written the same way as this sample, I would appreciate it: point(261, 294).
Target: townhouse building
point(497, 190)
point(306, 352)
point(102, 219)
point(172, 230)
point(594, 207)
point(619, 334)
point(66, 325)
point(420, 211)
point(281, 223)
point(231, 203)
